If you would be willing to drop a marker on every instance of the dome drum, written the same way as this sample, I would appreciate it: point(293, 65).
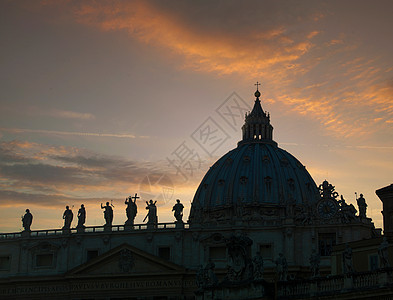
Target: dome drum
point(248, 214)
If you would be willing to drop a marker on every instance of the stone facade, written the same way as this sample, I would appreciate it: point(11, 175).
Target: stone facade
point(167, 252)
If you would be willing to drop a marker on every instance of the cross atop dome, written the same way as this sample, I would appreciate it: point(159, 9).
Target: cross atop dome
point(257, 93)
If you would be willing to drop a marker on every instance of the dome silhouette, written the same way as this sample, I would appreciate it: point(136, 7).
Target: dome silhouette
point(257, 175)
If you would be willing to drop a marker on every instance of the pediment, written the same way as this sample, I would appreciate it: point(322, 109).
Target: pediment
point(126, 259)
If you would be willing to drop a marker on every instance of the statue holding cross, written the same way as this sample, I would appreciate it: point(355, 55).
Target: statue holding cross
point(152, 214)
point(131, 209)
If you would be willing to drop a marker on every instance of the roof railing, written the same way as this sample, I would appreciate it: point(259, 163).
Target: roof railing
point(92, 229)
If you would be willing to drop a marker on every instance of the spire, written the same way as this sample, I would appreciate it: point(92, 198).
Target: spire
point(257, 110)
point(257, 127)
point(257, 93)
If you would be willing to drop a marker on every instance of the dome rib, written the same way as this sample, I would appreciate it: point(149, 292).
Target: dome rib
point(242, 176)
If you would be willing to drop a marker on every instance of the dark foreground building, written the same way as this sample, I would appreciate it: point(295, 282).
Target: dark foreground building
point(259, 228)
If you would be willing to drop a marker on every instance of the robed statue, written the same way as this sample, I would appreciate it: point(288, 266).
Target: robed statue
point(131, 209)
point(178, 209)
point(27, 219)
point(108, 214)
point(81, 217)
point(152, 214)
point(362, 206)
point(67, 216)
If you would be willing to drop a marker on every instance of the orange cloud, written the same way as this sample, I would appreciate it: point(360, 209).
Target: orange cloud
point(224, 54)
point(56, 132)
point(327, 84)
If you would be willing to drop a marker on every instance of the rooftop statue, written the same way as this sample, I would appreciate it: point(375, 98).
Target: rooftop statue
point(327, 190)
point(347, 211)
point(108, 214)
point(131, 209)
point(67, 216)
point(152, 214)
point(362, 206)
point(27, 219)
point(178, 209)
point(81, 217)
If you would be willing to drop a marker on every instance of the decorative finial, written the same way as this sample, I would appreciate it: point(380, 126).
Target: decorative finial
point(257, 93)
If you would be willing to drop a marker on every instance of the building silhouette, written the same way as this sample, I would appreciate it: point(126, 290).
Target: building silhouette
point(259, 228)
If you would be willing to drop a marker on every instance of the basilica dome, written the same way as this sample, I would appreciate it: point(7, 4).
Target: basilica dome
point(257, 177)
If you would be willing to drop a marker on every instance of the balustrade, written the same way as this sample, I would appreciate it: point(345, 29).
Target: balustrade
point(330, 285)
point(89, 229)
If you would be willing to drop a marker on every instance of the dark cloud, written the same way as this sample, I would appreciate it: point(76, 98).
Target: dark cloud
point(9, 156)
point(239, 18)
point(34, 163)
point(108, 168)
point(44, 173)
point(14, 198)
point(120, 169)
point(95, 161)
point(34, 173)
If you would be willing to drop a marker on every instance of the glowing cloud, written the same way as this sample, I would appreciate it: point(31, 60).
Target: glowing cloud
point(321, 76)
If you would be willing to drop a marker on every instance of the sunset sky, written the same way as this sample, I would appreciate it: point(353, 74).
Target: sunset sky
point(100, 100)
